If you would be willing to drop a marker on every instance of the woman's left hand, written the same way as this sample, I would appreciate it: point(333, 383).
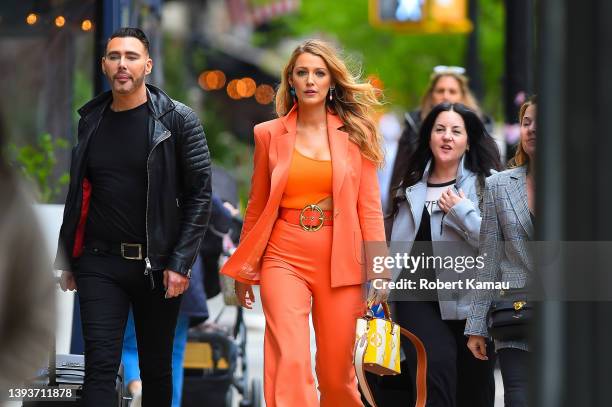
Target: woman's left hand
point(378, 295)
point(449, 198)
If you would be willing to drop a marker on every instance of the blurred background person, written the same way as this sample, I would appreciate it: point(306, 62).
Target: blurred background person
point(446, 84)
point(507, 225)
point(439, 215)
point(225, 224)
point(390, 129)
point(27, 297)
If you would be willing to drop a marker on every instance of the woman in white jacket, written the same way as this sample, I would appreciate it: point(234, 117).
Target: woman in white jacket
point(437, 217)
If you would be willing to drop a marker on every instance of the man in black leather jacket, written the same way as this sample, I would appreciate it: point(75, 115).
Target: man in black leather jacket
point(137, 207)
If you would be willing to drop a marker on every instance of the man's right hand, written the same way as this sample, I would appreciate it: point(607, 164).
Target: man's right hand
point(67, 282)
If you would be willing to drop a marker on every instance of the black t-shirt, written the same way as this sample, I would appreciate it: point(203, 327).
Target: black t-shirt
point(423, 236)
point(422, 247)
point(117, 170)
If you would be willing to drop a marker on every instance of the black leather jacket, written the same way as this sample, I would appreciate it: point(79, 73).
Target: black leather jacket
point(178, 190)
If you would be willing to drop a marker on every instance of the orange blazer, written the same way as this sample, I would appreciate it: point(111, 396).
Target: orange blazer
point(357, 207)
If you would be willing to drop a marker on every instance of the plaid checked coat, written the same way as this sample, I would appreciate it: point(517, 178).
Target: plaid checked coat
point(505, 232)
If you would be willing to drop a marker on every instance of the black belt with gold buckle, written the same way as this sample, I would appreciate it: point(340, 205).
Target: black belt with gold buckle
point(129, 251)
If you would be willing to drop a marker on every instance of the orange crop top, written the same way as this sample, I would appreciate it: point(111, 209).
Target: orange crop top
point(309, 182)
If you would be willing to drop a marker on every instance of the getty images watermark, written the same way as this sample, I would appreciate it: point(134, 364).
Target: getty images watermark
point(407, 263)
point(440, 271)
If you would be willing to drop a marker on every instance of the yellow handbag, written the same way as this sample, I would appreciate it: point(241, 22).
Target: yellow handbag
point(377, 350)
point(379, 341)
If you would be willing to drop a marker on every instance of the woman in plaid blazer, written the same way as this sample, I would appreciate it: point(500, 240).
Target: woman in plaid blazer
point(507, 227)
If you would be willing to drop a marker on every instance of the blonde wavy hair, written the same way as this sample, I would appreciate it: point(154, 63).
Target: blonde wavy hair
point(467, 97)
point(353, 100)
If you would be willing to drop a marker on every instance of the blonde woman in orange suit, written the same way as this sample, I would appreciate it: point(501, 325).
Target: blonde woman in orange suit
point(314, 200)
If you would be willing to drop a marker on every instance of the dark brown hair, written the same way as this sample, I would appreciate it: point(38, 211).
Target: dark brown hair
point(137, 33)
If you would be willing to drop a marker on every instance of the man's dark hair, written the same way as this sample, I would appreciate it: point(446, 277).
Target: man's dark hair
point(131, 32)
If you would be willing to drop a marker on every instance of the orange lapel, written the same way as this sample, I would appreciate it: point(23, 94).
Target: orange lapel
point(281, 145)
point(338, 145)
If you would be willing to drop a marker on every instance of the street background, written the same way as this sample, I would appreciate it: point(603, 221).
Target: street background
point(224, 58)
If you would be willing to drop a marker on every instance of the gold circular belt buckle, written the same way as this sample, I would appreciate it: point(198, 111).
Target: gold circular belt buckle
point(320, 218)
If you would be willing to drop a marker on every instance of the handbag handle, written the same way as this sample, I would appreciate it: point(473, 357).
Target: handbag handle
point(385, 306)
point(421, 376)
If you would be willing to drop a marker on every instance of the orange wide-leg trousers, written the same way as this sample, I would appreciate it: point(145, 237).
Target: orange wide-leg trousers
point(295, 280)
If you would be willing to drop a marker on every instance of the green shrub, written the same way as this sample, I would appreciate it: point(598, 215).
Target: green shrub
point(36, 163)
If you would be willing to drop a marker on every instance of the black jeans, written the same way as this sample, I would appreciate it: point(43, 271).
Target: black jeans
point(514, 365)
point(455, 378)
point(107, 285)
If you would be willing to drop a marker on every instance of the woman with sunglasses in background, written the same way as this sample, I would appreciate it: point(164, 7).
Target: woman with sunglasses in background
point(447, 84)
point(436, 213)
